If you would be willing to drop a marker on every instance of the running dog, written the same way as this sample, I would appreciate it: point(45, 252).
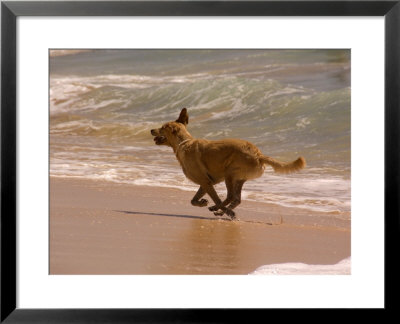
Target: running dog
point(207, 163)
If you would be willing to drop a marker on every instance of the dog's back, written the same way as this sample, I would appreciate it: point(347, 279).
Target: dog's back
point(235, 158)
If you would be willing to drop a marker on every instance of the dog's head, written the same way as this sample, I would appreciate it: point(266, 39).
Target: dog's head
point(172, 132)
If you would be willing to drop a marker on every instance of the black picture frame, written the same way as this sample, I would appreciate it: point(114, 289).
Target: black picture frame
point(10, 10)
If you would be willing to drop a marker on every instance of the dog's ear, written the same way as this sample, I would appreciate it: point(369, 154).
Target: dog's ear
point(183, 117)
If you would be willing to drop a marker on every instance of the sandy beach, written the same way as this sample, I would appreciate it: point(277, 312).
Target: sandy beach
point(100, 227)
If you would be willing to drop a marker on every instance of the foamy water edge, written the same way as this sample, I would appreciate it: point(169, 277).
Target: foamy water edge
point(341, 268)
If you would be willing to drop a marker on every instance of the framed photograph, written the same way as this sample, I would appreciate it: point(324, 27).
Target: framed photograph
point(279, 119)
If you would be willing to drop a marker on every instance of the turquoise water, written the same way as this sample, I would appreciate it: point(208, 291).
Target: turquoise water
point(103, 104)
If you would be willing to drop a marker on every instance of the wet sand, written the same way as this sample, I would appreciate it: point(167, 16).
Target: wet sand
point(101, 227)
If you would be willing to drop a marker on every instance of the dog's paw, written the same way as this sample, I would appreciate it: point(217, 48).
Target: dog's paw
point(230, 213)
point(213, 208)
point(219, 213)
point(200, 203)
point(203, 202)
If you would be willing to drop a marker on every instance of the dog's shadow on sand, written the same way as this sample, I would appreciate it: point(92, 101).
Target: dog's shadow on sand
point(197, 217)
point(171, 215)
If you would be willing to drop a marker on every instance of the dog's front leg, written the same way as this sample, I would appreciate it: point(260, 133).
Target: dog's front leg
point(219, 209)
point(209, 189)
point(196, 199)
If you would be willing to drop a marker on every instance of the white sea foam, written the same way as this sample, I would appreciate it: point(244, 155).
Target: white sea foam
point(157, 176)
point(341, 268)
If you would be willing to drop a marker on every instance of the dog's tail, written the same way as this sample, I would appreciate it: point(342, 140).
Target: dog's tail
point(284, 167)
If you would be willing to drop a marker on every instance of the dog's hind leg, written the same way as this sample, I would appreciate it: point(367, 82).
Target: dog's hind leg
point(237, 195)
point(196, 199)
point(218, 209)
point(234, 190)
point(229, 182)
point(209, 188)
point(230, 191)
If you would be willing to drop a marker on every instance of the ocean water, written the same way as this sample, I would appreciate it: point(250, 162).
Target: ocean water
point(341, 268)
point(103, 104)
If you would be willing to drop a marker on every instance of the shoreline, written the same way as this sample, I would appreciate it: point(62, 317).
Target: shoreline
point(254, 211)
point(100, 227)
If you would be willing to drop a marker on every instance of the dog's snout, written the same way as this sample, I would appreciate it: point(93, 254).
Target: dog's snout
point(153, 132)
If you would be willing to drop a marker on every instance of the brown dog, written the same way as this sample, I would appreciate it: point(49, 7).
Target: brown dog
point(207, 163)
